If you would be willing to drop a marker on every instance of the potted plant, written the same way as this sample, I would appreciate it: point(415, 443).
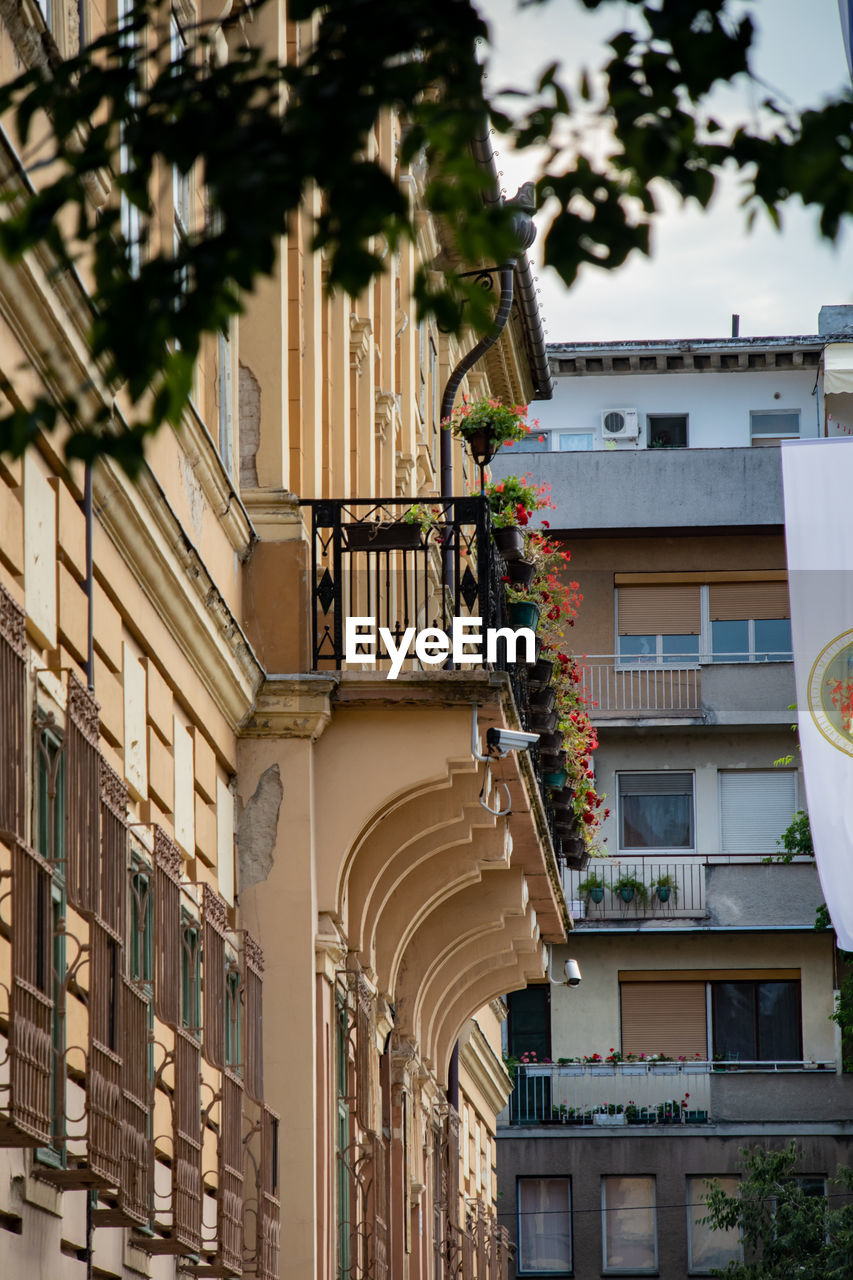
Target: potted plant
point(665, 888)
point(383, 535)
point(512, 502)
point(522, 612)
point(486, 424)
point(628, 887)
point(540, 674)
point(592, 887)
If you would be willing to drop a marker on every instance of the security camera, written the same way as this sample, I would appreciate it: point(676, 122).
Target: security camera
point(573, 973)
point(499, 742)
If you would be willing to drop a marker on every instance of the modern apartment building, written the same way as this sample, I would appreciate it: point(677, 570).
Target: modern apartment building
point(200, 798)
point(702, 1023)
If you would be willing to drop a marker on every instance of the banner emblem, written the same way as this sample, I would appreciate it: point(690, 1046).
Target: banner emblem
point(830, 692)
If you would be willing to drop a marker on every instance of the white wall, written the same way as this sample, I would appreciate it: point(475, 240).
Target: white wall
point(717, 404)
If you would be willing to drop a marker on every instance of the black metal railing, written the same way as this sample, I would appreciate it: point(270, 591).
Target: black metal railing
point(405, 565)
point(401, 564)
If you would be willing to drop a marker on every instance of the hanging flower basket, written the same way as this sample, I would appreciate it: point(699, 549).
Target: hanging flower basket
point(541, 673)
point(375, 535)
point(543, 721)
point(562, 800)
point(509, 541)
point(557, 779)
point(521, 574)
point(543, 699)
point(523, 613)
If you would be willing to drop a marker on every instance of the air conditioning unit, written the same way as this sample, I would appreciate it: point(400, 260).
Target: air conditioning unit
point(620, 424)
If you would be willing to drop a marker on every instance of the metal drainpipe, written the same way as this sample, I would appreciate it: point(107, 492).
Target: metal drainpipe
point(467, 362)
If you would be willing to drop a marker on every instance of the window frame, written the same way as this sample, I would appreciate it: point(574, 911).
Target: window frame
point(691, 1207)
point(520, 1214)
point(755, 982)
point(654, 417)
point(705, 638)
point(558, 435)
point(655, 849)
point(775, 435)
point(606, 1268)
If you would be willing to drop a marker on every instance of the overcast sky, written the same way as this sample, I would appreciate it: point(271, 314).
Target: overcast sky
point(704, 265)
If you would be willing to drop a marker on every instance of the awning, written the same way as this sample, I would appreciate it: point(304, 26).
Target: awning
point(838, 368)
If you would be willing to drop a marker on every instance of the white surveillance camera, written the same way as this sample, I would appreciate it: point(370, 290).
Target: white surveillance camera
point(499, 742)
point(573, 973)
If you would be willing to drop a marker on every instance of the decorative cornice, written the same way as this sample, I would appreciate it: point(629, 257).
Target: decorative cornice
point(113, 791)
point(167, 855)
point(83, 710)
point(405, 465)
point(275, 514)
point(253, 953)
point(360, 330)
point(297, 706)
point(208, 468)
point(499, 1008)
point(13, 624)
point(153, 543)
point(485, 1069)
point(214, 909)
point(385, 414)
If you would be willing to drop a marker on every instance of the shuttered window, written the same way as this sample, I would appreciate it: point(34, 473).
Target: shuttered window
point(656, 810)
point(756, 805)
point(735, 601)
point(659, 610)
point(664, 1017)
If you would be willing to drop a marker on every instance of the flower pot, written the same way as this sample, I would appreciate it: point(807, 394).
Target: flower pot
point(562, 800)
point(375, 535)
point(543, 722)
point(551, 761)
point(482, 444)
point(521, 573)
point(523, 613)
point(543, 699)
point(550, 742)
point(541, 674)
point(663, 892)
point(509, 541)
point(557, 779)
point(577, 861)
point(597, 894)
point(626, 893)
point(602, 1118)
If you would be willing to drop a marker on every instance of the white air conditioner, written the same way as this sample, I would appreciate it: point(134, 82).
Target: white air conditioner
point(620, 424)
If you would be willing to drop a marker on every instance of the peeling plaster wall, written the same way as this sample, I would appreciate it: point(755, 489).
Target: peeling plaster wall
point(257, 829)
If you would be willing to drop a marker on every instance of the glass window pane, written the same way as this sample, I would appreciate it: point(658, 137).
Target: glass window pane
point(638, 648)
point(652, 819)
point(779, 1022)
point(773, 639)
point(574, 441)
point(680, 648)
point(734, 1020)
point(544, 1225)
point(775, 423)
point(730, 641)
point(529, 1018)
point(708, 1248)
point(667, 431)
point(629, 1235)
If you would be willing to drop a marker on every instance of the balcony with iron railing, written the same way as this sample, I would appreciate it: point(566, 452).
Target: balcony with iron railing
point(684, 688)
point(654, 1093)
point(400, 568)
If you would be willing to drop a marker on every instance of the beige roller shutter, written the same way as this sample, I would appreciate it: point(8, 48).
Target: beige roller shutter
point(652, 611)
point(738, 600)
point(664, 1017)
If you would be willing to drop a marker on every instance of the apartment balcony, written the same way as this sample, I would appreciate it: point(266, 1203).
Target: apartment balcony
point(720, 890)
point(396, 575)
point(643, 1095)
point(684, 691)
point(622, 489)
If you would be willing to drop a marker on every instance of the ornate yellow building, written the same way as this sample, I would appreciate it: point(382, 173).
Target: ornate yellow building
point(199, 796)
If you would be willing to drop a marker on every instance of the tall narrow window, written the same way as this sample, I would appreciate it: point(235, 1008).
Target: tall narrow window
point(190, 975)
point(544, 1226)
point(709, 1248)
point(629, 1234)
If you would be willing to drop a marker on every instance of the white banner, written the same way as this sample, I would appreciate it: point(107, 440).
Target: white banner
point(818, 483)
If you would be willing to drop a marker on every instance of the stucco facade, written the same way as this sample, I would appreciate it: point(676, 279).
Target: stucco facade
point(265, 820)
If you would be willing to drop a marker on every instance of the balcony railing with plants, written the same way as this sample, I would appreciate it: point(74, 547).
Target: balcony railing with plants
point(638, 890)
point(408, 566)
point(614, 1093)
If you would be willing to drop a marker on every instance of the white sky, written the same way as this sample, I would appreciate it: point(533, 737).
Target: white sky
point(705, 265)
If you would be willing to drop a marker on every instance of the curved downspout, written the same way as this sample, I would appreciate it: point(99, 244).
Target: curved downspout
point(467, 362)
